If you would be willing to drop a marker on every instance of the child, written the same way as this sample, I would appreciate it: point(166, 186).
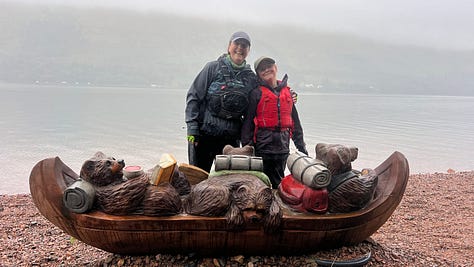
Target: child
point(272, 120)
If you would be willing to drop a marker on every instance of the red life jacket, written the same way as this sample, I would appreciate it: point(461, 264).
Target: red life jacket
point(274, 112)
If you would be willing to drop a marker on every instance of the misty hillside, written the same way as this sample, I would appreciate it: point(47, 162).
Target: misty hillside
point(124, 48)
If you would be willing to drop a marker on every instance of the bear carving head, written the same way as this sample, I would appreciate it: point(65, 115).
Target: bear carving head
point(254, 203)
point(337, 157)
point(101, 170)
point(246, 150)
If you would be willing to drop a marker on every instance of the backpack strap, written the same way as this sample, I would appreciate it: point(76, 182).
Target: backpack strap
point(227, 74)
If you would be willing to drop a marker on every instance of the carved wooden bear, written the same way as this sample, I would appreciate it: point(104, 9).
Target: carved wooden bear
point(101, 170)
point(243, 198)
point(117, 196)
point(349, 189)
point(246, 150)
point(337, 157)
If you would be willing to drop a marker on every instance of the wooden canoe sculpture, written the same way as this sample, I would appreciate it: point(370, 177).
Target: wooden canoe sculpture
point(184, 233)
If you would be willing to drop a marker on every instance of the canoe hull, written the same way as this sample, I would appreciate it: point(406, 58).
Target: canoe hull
point(140, 235)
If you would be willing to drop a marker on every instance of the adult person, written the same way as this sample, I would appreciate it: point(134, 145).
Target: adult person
point(217, 101)
point(272, 120)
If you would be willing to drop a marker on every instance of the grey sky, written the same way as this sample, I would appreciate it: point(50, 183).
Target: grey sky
point(434, 23)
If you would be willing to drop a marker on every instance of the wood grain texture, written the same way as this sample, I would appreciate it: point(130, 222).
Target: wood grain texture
point(182, 233)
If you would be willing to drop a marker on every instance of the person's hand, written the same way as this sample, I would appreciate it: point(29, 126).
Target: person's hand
point(294, 96)
point(192, 139)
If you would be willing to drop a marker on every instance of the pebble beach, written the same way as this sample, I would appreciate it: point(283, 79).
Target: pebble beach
point(432, 226)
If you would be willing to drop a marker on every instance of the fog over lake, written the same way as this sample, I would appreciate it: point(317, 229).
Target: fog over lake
point(322, 48)
point(81, 76)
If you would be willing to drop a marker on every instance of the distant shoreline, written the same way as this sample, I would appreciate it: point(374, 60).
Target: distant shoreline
point(151, 86)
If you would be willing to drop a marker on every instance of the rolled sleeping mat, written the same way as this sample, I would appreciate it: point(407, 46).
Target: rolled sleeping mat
point(310, 172)
point(238, 162)
point(79, 197)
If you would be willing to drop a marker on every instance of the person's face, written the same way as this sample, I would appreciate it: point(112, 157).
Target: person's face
point(238, 51)
point(268, 73)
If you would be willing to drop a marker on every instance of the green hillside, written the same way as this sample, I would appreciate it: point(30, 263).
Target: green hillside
point(124, 48)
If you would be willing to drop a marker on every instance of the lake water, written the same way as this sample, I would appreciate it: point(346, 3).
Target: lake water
point(435, 133)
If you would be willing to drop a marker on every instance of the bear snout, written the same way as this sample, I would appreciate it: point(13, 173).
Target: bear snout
point(252, 217)
point(117, 166)
point(121, 162)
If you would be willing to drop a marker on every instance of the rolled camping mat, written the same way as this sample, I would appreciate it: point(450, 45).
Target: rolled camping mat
point(238, 162)
point(311, 172)
point(79, 197)
point(316, 176)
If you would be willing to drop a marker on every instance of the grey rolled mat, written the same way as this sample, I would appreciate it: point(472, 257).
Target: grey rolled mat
point(310, 172)
point(79, 197)
point(238, 162)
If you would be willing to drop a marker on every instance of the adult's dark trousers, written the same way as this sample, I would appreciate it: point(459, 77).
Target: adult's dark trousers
point(208, 147)
point(274, 167)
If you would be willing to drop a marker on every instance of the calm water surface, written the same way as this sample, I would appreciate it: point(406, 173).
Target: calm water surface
point(140, 124)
